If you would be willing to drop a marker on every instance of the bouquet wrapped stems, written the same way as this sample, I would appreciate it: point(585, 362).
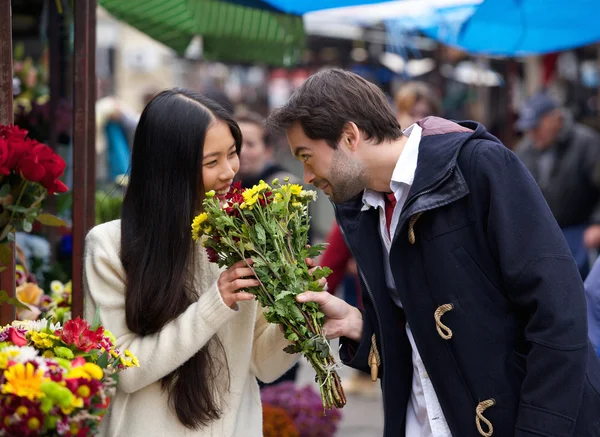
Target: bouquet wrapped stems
point(270, 226)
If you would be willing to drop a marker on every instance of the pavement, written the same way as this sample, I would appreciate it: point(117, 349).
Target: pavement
point(363, 414)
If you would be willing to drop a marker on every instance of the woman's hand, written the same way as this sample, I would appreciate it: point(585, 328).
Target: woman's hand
point(237, 277)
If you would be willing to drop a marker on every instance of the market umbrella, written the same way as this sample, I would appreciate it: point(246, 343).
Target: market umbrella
point(230, 32)
point(490, 27)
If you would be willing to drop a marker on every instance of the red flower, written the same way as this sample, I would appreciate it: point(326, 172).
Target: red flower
point(266, 198)
point(77, 332)
point(213, 256)
point(17, 336)
point(4, 155)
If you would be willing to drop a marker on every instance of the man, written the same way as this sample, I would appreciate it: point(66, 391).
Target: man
point(474, 311)
point(564, 159)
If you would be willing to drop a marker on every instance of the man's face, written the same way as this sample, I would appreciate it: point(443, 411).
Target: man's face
point(339, 173)
point(546, 132)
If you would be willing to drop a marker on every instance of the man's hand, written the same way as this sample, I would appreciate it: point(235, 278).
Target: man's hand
point(341, 319)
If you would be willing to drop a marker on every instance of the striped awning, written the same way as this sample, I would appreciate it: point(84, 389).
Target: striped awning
point(230, 32)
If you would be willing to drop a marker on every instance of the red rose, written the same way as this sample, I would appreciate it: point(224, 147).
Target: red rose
point(4, 154)
point(29, 164)
point(16, 149)
point(17, 337)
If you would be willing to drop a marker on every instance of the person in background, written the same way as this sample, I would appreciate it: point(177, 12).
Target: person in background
point(415, 100)
point(257, 157)
point(564, 159)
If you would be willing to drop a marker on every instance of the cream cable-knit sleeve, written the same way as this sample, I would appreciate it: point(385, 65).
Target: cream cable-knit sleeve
point(269, 361)
point(159, 353)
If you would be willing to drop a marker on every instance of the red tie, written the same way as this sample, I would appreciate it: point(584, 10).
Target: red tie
point(390, 204)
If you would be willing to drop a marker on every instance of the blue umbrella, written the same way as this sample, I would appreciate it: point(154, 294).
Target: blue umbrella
point(302, 7)
point(493, 27)
point(520, 27)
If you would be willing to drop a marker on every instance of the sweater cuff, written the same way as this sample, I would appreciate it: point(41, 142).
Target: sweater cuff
point(213, 308)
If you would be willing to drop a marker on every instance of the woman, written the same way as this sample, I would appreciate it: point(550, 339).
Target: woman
point(200, 339)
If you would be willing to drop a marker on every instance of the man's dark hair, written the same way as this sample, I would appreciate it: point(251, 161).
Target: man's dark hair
point(331, 98)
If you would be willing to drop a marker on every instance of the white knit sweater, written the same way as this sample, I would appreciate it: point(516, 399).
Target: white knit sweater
point(140, 407)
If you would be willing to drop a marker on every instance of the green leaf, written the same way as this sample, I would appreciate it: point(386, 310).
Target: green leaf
point(293, 337)
point(50, 220)
point(283, 294)
point(296, 313)
point(321, 272)
point(96, 322)
point(103, 360)
point(291, 349)
point(16, 208)
point(5, 190)
point(260, 233)
point(5, 298)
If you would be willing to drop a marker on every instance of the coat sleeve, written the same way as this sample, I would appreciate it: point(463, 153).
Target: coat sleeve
point(542, 281)
point(269, 361)
point(164, 351)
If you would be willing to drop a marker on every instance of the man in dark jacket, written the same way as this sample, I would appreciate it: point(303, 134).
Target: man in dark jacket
point(564, 159)
point(474, 311)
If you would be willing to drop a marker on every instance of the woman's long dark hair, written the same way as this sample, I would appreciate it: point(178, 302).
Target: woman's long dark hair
point(163, 194)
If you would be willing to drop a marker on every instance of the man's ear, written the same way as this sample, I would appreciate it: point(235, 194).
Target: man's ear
point(351, 136)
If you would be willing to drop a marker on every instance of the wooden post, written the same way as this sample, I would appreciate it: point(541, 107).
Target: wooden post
point(7, 277)
point(80, 140)
point(90, 210)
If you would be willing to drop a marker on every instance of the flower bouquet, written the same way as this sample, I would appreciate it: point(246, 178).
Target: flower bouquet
point(304, 407)
point(270, 225)
point(57, 381)
point(29, 171)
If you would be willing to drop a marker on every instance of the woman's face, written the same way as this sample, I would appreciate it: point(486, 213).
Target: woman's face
point(220, 162)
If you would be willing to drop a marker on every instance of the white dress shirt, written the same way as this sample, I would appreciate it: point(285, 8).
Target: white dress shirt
point(424, 416)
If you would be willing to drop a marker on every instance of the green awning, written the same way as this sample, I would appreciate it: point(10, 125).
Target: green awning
point(230, 32)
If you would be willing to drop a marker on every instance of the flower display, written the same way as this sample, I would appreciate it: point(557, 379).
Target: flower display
point(54, 305)
point(57, 380)
point(270, 225)
point(278, 423)
point(304, 407)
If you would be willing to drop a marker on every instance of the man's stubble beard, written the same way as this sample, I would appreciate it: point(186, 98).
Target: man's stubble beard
point(347, 177)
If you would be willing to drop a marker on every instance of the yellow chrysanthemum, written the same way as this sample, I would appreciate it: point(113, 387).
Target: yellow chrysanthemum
point(296, 205)
point(87, 371)
point(129, 360)
point(278, 198)
point(295, 189)
point(197, 225)
point(24, 381)
point(41, 340)
point(210, 194)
